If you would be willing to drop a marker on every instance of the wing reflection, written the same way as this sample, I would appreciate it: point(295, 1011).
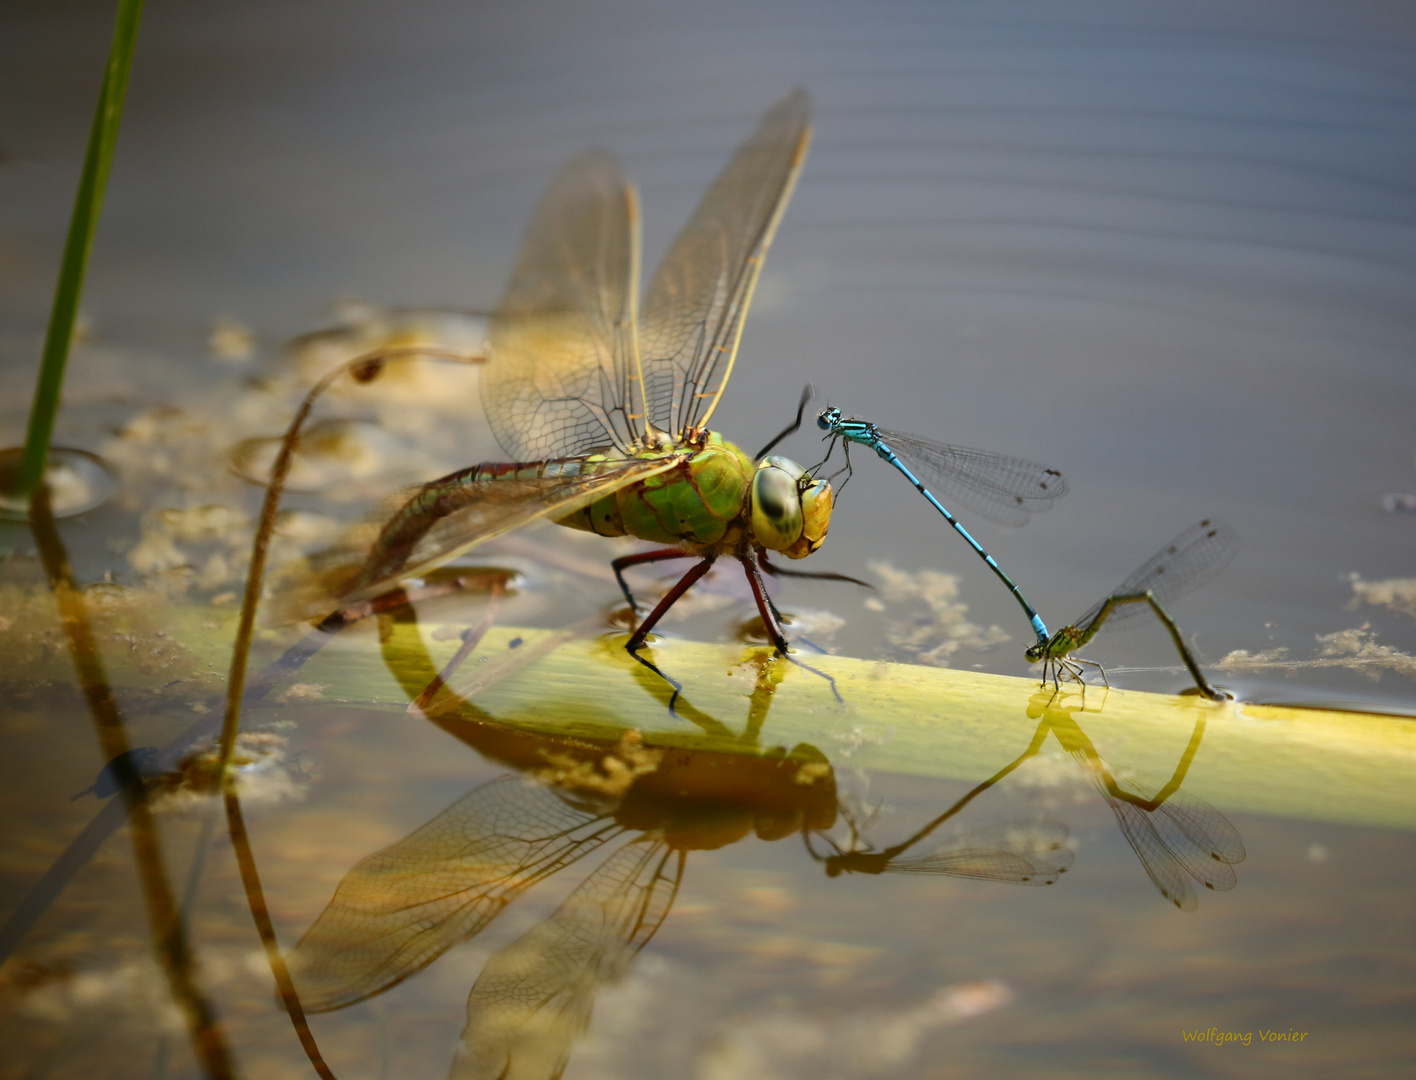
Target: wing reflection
point(401, 908)
point(1179, 838)
point(534, 997)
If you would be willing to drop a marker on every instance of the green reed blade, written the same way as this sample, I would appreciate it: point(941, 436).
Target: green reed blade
point(82, 225)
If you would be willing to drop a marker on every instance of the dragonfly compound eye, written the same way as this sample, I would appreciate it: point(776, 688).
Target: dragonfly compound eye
point(795, 521)
point(776, 505)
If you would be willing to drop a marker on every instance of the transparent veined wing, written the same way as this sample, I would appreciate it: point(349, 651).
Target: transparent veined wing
point(1192, 559)
point(534, 997)
point(1203, 836)
point(341, 575)
point(1003, 489)
point(562, 375)
point(1182, 841)
point(698, 298)
point(401, 908)
point(1020, 853)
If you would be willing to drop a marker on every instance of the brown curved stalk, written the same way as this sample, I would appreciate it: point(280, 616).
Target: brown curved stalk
point(255, 900)
point(365, 368)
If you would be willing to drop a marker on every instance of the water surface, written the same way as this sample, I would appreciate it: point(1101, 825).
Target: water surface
point(1168, 252)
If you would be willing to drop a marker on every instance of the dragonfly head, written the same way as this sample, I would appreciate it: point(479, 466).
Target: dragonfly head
point(828, 418)
point(791, 510)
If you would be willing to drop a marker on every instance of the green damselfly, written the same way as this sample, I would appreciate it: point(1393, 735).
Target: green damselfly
point(1190, 560)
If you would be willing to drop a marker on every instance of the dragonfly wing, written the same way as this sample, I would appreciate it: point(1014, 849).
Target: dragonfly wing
point(501, 505)
point(401, 908)
point(1022, 853)
point(696, 303)
point(534, 997)
point(1192, 559)
point(562, 375)
point(1003, 489)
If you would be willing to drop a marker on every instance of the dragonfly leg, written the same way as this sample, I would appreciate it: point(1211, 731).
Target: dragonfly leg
point(806, 395)
point(1148, 597)
point(674, 683)
point(781, 571)
point(1049, 667)
point(771, 618)
point(670, 598)
point(625, 561)
point(1073, 669)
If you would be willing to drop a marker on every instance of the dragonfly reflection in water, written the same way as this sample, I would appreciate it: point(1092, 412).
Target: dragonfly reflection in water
point(603, 413)
point(398, 910)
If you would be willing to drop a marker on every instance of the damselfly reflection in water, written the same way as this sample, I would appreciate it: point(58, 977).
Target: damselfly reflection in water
point(603, 412)
point(1000, 488)
point(1180, 839)
point(1190, 560)
point(1016, 852)
point(1020, 853)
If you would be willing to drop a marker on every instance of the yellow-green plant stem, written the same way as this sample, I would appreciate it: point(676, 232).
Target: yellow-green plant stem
point(1315, 764)
point(83, 223)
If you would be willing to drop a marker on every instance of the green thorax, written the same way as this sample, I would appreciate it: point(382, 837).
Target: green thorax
point(1067, 641)
point(701, 500)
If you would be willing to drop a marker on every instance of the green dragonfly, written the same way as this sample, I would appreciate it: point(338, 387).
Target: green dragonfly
point(603, 409)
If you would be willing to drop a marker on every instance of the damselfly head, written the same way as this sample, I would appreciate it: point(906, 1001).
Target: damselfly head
point(1036, 652)
point(828, 418)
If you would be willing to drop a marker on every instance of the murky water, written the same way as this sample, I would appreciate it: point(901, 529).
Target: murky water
point(1169, 253)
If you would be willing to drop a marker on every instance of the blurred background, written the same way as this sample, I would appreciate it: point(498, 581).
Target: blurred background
point(1167, 249)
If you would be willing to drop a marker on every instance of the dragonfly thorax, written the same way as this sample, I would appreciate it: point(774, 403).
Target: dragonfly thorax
point(1060, 644)
point(715, 499)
